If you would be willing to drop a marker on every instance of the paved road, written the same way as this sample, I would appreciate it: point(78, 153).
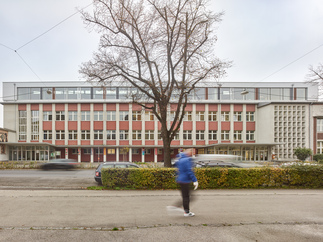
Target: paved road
point(221, 215)
point(53, 179)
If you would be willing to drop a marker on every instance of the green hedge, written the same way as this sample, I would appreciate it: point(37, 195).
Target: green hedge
point(212, 178)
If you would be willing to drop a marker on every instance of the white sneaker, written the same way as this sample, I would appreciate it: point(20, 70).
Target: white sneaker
point(190, 214)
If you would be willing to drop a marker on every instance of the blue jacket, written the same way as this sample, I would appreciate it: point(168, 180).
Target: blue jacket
point(185, 173)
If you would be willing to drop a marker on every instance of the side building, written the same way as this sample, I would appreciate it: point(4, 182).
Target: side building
point(257, 121)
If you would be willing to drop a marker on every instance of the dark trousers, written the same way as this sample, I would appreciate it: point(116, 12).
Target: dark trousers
point(185, 191)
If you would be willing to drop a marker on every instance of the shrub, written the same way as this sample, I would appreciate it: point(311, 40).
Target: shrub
point(318, 157)
point(302, 153)
point(213, 178)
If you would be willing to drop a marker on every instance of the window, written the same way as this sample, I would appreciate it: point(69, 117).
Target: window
point(87, 151)
point(176, 137)
point(319, 124)
point(149, 116)
point(98, 151)
point(111, 115)
point(213, 116)
point(188, 116)
point(98, 115)
point(264, 93)
point(250, 135)
point(98, 134)
point(111, 93)
point(111, 151)
point(250, 116)
point(72, 93)
point(213, 93)
point(237, 135)
point(213, 135)
point(124, 115)
point(187, 134)
point(200, 116)
point(225, 135)
point(300, 93)
point(47, 116)
point(22, 125)
point(85, 135)
point(135, 151)
point(124, 134)
point(159, 135)
point(85, 116)
point(60, 115)
point(225, 94)
point(136, 134)
point(97, 93)
point(72, 115)
point(72, 134)
point(60, 134)
point(85, 93)
point(47, 134)
point(47, 93)
point(319, 147)
point(74, 151)
point(149, 135)
point(225, 116)
point(199, 93)
point(34, 125)
point(237, 116)
point(111, 134)
point(136, 115)
point(199, 134)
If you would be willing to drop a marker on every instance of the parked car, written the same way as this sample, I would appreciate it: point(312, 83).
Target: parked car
point(66, 164)
point(97, 175)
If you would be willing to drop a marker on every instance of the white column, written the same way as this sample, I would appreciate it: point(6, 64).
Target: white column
point(117, 154)
point(155, 154)
point(142, 156)
point(79, 150)
point(92, 154)
point(130, 154)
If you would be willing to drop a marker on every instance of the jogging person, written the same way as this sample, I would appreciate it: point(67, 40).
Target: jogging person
point(185, 175)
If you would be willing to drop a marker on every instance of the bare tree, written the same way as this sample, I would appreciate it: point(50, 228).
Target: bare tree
point(315, 74)
point(161, 48)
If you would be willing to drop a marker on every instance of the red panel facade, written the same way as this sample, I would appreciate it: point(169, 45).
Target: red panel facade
point(200, 107)
point(72, 125)
point(225, 125)
point(98, 107)
point(250, 108)
point(225, 107)
point(98, 125)
point(238, 126)
point(47, 125)
point(34, 107)
point(124, 125)
point(238, 107)
point(111, 107)
point(85, 107)
point(187, 125)
point(124, 107)
point(22, 107)
point(149, 125)
point(250, 126)
point(72, 107)
point(213, 107)
point(60, 107)
point(111, 125)
point(213, 125)
point(200, 125)
point(85, 125)
point(136, 125)
point(60, 125)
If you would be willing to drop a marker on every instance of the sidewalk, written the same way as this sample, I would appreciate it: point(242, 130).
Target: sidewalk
point(221, 215)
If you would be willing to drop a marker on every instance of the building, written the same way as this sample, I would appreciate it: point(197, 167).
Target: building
point(257, 121)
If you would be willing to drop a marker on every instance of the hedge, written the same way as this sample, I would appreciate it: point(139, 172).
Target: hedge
point(213, 178)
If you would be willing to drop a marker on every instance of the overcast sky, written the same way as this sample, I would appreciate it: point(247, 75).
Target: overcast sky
point(259, 36)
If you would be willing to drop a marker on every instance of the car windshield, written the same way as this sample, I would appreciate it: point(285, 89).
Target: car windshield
point(107, 166)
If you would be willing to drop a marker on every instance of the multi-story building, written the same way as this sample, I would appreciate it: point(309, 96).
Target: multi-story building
point(257, 121)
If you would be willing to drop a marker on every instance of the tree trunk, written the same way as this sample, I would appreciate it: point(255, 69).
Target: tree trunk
point(167, 159)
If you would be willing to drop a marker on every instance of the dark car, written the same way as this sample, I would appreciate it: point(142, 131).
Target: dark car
point(66, 164)
point(97, 176)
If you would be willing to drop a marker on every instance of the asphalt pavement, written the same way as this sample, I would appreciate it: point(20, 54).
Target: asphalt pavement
point(221, 215)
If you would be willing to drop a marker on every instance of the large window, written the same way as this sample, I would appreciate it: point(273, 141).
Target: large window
point(199, 94)
point(85, 93)
point(149, 116)
point(124, 134)
point(213, 115)
point(187, 134)
point(200, 116)
point(111, 93)
point(225, 116)
point(225, 93)
point(47, 116)
point(86, 135)
point(264, 93)
point(319, 149)
point(60, 134)
point(136, 115)
point(319, 125)
point(213, 135)
point(98, 115)
point(237, 135)
point(124, 115)
point(60, 93)
point(85, 116)
point(250, 116)
point(188, 116)
point(47, 134)
point(34, 125)
point(111, 134)
point(72, 93)
point(111, 115)
point(250, 135)
point(22, 125)
point(60, 115)
point(213, 93)
point(225, 135)
point(98, 134)
point(136, 134)
point(72, 115)
point(72, 134)
point(26, 93)
point(237, 116)
point(199, 134)
point(149, 135)
point(300, 93)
